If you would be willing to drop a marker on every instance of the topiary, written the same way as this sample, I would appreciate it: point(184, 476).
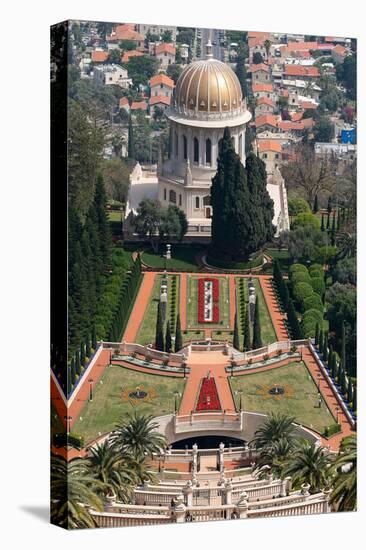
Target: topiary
point(309, 327)
point(318, 285)
point(296, 268)
point(315, 273)
point(300, 277)
point(313, 302)
point(302, 291)
point(316, 267)
point(313, 314)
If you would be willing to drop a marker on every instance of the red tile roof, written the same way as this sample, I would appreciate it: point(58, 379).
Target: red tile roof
point(256, 41)
point(284, 93)
point(162, 79)
point(132, 53)
point(295, 117)
point(259, 34)
point(259, 67)
point(269, 145)
point(123, 101)
point(99, 57)
point(159, 99)
point(340, 49)
point(308, 105)
point(139, 105)
point(125, 32)
point(289, 125)
point(298, 46)
point(164, 47)
point(262, 120)
point(300, 70)
point(262, 87)
point(266, 101)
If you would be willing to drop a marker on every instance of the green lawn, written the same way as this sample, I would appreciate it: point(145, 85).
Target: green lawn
point(193, 335)
point(267, 331)
point(115, 216)
point(111, 401)
point(192, 304)
point(182, 258)
point(282, 256)
point(146, 333)
point(299, 400)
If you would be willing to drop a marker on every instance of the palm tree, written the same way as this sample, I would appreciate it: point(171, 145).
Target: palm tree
point(276, 427)
point(344, 494)
point(73, 493)
point(309, 464)
point(137, 436)
point(106, 465)
point(276, 456)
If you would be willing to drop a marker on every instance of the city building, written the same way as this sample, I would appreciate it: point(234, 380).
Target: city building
point(165, 53)
point(161, 85)
point(112, 74)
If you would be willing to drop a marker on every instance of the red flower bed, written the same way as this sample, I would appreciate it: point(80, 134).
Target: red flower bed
point(208, 399)
point(215, 299)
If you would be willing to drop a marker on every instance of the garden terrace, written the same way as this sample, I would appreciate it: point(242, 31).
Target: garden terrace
point(222, 294)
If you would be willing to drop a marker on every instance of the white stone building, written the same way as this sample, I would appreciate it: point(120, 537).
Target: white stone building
point(112, 74)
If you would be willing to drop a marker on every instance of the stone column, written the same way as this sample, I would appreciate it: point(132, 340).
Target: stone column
point(228, 492)
point(285, 487)
point(179, 509)
point(194, 459)
point(221, 456)
point(188, 493)
point(202, 148)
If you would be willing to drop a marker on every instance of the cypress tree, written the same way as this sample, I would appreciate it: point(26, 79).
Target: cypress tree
point(328, 221)
point(293, 321)
point(82, 354)
point(329, 206)
point(73, 371)
point(321, 339)
point(131, 140)
point(330, 354)
point(94, 338)
point(242, 209)
point(178, 335)
point(77, 363)
point(241, 72)
point(317, 328)
point(316, 206)
point(236, 339)
point(350, 390)
point(69, 381)
point(333, 230)
point(87, 348)
point(343, 353)
point(246, 341)
point(354, 404)
point(159, 332)
point(168, 338)
point(343, 381)
point(103, 225)
point(322, 226)
point(335, 369)
point(338, 219)
point(257, 339)
point(343, 216)
point(325, 347)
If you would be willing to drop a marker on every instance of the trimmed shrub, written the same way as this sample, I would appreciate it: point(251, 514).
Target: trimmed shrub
point(296, 268)
point(313, 302)
point(302, 291)
point(316, 267)
point(318, 285)
point(300, 277)
point(316, 273)
point(309, 328)
point(313, 314)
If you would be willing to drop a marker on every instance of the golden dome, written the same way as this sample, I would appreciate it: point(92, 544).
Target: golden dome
point(208, 86)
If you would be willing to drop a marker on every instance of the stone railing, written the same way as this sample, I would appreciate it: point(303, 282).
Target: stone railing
point(208, 422)
point(283, 347)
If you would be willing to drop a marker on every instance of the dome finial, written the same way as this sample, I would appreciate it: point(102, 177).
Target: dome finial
point(209, 53)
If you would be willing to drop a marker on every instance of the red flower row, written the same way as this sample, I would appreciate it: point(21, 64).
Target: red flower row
point(208, 399)
point(215, 299)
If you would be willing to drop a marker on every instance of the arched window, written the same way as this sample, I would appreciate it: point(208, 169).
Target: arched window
point(165, 194)
point(207, 200)
point(176, 143)
point(197, 202)
point(196, 150)
point(208, 151)
point(185, 147)
point(172, 196)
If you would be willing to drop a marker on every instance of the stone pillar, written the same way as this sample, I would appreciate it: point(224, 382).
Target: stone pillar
point(305, 490)
point(228, 492)
point(194, 458)
point(242, 505)
point(202, 148)
point(221, 456)
point(111, 502)
point(327, 508)
point(285, 487)
point(179, 509)
point(188, 493)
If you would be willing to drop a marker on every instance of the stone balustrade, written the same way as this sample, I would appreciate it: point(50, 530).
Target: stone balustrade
point(208, 422)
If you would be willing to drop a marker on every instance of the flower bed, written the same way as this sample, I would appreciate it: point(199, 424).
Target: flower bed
point(208, 399)
point(208, 300)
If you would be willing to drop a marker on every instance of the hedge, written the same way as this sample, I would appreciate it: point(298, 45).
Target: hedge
point(313, 302)
point(302, 291)
point(309, 328)
point(295, 268)
point(316, 273)
point(316, 267)
point(318, 285)
point(300, 277)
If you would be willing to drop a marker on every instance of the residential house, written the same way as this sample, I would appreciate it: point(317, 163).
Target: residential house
point(124, 104)
point(256, 45)
point(260, 72)
point(165, 53)
point(125, 32)
point(266, 122)
point(301, 71)
point(158, 30)
point(138, 106)
point(128, 54)
point(184, 52)
point(264, 106)
point(99, 56)
point(161, 85)
point(160, 101)
point(112, 74)
point(263, 90)
point(339, 53)
point(270, 151)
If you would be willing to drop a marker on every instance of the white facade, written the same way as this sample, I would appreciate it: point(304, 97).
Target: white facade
point(112, 74)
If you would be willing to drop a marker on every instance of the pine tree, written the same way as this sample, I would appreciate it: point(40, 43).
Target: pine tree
point(236, 339)
point(246, 340)
point(329, 206)
point(242, 209)
point(178, 335)
point(322, 226)
point(159, 331)
point(316, 206)
point(73, 371)
point(77, 363)
point(103, 225)
point(257, 339)
point(168, 338)
point(131, 140)
point(317, 329)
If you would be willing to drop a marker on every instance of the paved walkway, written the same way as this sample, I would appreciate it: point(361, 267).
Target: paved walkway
point(141, 303)
point(278, 318)
point(183, 300)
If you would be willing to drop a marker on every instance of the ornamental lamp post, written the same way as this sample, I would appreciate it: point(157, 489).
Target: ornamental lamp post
point(176, 395)
point(319, 377)
point(90, 389)
point(240, 393)
point(68, 423)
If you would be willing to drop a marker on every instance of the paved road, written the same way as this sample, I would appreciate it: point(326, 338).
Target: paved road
point(213, 35)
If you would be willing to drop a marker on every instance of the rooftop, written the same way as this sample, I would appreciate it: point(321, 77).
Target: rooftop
point(162, 79)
